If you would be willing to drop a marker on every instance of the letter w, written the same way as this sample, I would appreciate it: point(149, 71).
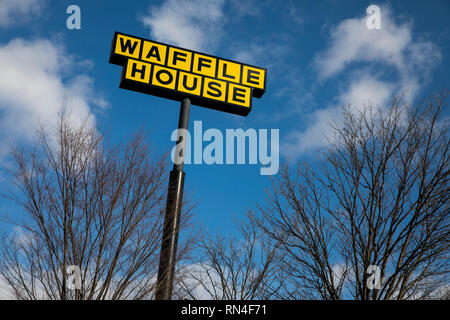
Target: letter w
point(127, 46)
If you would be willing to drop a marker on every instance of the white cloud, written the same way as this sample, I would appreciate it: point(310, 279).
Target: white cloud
point(363, 90)
point(253, 8)
point(36, 77)
point(392, 46)
point(352, 41)
point(194, 25)
point(295, 15)
point(366, 89)
point(5, 293)
point(15, 11)
point(389, 52)
point(266, 54)
point(198, 283)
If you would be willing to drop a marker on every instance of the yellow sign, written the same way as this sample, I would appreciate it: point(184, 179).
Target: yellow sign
point(175, 73)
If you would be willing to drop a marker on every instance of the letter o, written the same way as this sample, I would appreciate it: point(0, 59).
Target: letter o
point(160, 80)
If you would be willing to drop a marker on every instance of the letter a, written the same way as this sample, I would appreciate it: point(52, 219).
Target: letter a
point(74, 20)
point(374, 279)
point(374, 20)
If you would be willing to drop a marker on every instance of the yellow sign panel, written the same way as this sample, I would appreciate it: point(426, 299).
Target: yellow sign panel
point(229, 71)
point(138, 71)
point(214, 89)
point(204, 65)
point(175, 73)
point(253, 77)
point(127, 46)
point(164, 77)
point(154, 52)
point(239, 95)
point(179, 59)
point(190, 83)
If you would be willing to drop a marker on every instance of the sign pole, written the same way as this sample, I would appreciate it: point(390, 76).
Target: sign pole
point(168, 253)
point(175, 73)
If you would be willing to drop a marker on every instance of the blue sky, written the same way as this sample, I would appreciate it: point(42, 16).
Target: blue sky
point(319, 54)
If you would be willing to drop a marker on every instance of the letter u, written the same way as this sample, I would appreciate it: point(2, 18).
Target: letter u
point(185, 85)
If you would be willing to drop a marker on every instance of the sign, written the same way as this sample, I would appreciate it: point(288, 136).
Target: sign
point(175, 73)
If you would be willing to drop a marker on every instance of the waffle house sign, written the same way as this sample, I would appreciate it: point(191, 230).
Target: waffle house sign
point(175, 73)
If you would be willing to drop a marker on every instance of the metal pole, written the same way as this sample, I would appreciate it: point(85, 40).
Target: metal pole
point(172, 219)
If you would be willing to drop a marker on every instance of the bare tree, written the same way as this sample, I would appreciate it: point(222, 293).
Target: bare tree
point(296, 217)
point(379, 196)
point(89, 205)
point(233, 268)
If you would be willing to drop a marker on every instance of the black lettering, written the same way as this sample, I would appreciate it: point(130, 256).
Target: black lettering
point(158, 76)
point(127, 46)
point(224, 72)
point(154, 52)
point(194, 84)
point(250, 76)
point(141, 71)
point(237, 94)
point(176, 57)
point(211, 85)
point(202, 64)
